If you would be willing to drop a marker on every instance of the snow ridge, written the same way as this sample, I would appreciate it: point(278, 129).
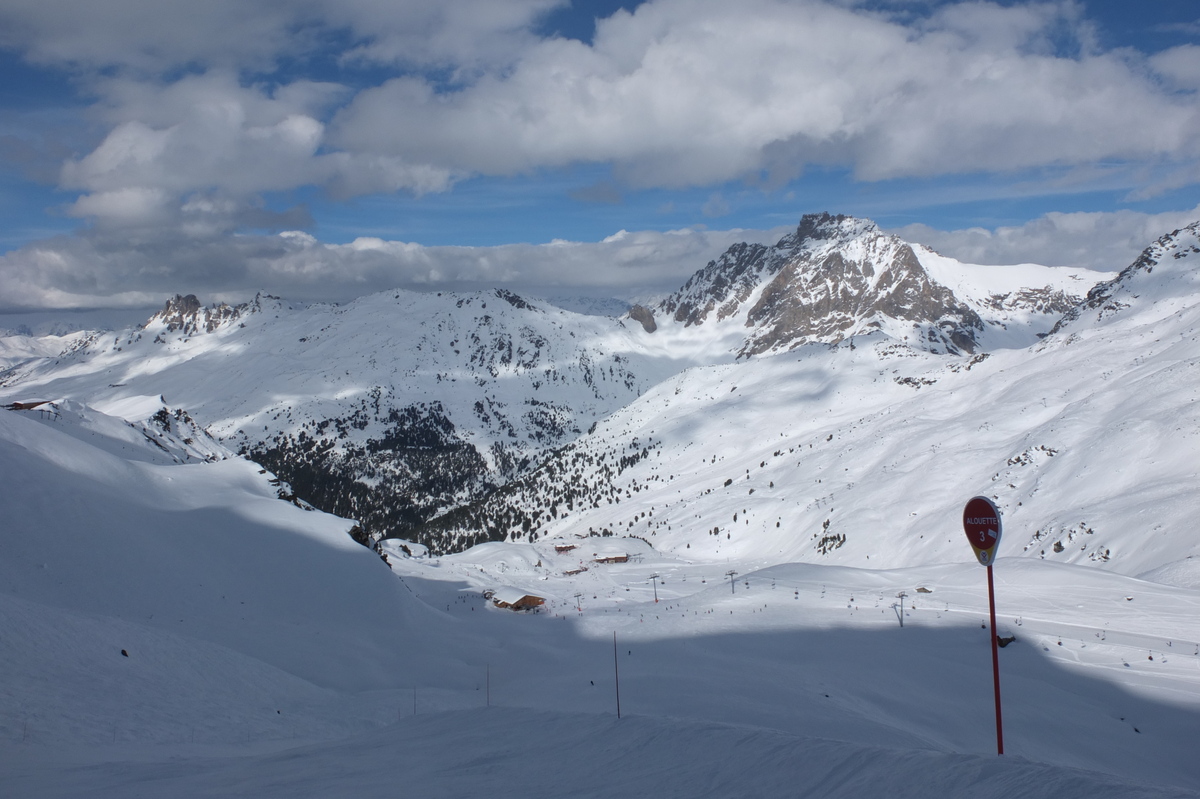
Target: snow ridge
point(1174, 254)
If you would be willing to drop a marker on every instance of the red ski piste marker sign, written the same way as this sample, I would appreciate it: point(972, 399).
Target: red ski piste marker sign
point(981, 520)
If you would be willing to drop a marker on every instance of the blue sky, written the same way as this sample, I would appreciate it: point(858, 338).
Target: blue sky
point(154, 146)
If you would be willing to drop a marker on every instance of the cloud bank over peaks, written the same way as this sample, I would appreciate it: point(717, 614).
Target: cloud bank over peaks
point(1102, 241)
point(106, 269)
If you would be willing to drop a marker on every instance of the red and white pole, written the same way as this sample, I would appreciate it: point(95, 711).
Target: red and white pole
point(981, 521)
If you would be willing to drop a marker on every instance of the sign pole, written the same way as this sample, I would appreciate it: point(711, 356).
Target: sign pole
point(995, 663)
point(981, 521)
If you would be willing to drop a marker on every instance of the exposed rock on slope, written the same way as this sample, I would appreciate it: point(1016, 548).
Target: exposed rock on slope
point(1113, 296)
point(643, 316)
point(833, 278)
point(186, 314)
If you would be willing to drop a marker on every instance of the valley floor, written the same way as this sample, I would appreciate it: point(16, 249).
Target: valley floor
point(794, 680)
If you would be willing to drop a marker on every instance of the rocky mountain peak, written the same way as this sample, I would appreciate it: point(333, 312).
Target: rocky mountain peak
point(846, 291)
point(834, 277)
point(186, 314)
point(824, 227)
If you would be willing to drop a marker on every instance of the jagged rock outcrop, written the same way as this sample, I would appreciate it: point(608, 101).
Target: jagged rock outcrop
point(186, 314)
point(827, 300)
point(1045, 300)
point(835, 277)
point(644, 316)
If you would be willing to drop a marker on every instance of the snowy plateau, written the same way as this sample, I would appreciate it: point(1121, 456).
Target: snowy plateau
point(248, 550)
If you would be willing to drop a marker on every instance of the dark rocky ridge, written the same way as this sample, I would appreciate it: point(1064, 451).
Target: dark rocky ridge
point(644, 316)
point(834, 277)
point(185, 313)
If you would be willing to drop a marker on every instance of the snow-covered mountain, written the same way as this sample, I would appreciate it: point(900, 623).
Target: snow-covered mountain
point(386, 410)
point(1136, 287)
point(859, 452)
point(19, 348)
point(836, 277)
point(411, 413)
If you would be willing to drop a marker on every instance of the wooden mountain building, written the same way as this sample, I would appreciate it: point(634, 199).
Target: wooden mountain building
point(515, 599)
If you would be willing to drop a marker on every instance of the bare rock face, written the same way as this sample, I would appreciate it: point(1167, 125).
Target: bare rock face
point(725, 282)
point(828, 299)
point(185, 313)
point(643, 315)
point(836, 276)
point(1046, 300)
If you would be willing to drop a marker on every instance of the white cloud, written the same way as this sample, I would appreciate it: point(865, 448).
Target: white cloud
point(695, 92)
point(204, 132)
point(468, 35)
point(112, 269)
point(1180, 65)
point(207, 133)
point(157, 36)
point(105, 270)
point(680, 93)
point(1105, 241)
point(124, 205)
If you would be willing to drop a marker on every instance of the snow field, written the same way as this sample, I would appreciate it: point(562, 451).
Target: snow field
point(265, 654)
point(818, 651)
point(530, 753)
point(800, 681)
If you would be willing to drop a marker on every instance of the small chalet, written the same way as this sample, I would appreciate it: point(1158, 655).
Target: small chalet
point(515, 599)
point(612, 558)
point(45, 408)
point(29, 405)
point(563, 548)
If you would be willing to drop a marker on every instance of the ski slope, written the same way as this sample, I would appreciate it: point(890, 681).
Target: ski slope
point(340, 675)
point(175, 623)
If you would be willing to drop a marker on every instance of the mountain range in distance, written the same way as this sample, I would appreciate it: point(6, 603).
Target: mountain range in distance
point(833, 398)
